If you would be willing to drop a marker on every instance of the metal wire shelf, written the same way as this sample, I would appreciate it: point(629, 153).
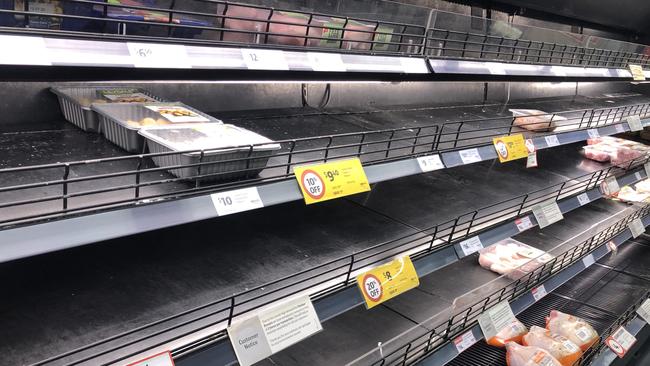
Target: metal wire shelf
point(228, 23)
point(424, 344)
point(54, 191)
point(338, 274)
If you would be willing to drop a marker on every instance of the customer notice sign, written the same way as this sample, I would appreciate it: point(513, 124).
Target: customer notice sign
point(273, 330)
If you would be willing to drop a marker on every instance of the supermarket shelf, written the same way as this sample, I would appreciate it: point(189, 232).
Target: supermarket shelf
point(387, 154)
point(607, 357)
point(448, 352)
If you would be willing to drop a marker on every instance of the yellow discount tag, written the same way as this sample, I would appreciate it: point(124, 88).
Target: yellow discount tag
point(387, 281)
point(637, 72)
point(332, 180)
point(511, 147)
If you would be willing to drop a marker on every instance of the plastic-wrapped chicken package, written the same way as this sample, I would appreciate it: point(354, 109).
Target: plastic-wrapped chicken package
point(517, 355)
point(628, 194)
point(560, 347)
point(535, 120)
point(575, 329)
point(512, 258)
point(512, 333)
point(617, 150)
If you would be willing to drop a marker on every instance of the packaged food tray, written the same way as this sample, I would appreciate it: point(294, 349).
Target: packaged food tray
point(222, 144)
point(76, 103)
point(121, 121)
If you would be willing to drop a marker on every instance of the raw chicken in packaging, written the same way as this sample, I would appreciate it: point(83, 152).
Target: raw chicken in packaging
point(575, 329)
point(628, 194)
point(511, 257)
point(619, 151)
point(517, 355)
point(535, 120)
point(512, 333)
point(560, 347)
point(643, 186)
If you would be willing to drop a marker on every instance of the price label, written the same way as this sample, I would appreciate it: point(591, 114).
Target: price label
point(644, 311)
point(465, 341)
point(620, 341)
point(531, 161)
point(646, 166)
point(538, 292)
point(321, 61)
point(638, 176)
point(164, 56)
point(619, 128)
point(496, 319)
point(470, 156)
point(256, 59)
point(238, 200)
point(552, 140)
point(511, 147)
point(332, 180)
point(593, 133)
point(161, 359)
point(588, 260)
point(583, 199)
point(273, 329)
point(637, 72)
point(430, 163)
point(612, 247)
point(387, 281)
point(636, 227)
point(634, 122)
point(523, 223)
point(610, 186)
point(547, 213)
point(471, 245)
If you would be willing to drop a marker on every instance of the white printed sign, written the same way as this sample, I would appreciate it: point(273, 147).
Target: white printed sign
point(636, 227)
point(257, 59)
point(238, 200)
point(470, 156)
point(163, 56)
point(547, 213)
point(523, 223)
point(430, 163)
point(471, 245)
point(583, 199)
point(495, 319)
point(552, 140)
point(465, 341)
point(273, 330)
point(538, 292)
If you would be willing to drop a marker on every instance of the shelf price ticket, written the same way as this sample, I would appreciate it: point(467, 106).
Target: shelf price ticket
point(620, 341)
point(644, 311)
point(495, 319)
point(637, 72)
point(332, 180)
point(387, 281)
point(511, 147)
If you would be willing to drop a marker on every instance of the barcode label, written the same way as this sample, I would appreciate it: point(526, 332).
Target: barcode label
point(547, 213)
point(583, 199)
point(538, 292)
point(583, 333)
point(471, 245)
point(523, 223)
point(464, 341)
point(552, 140)
point(470, 156)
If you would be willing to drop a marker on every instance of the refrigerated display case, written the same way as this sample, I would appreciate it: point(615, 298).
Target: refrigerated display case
point(160, 159)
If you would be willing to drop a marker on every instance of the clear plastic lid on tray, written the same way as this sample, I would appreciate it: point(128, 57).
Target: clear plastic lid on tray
point(137, 115)
point(86, 96)
point(210, 137)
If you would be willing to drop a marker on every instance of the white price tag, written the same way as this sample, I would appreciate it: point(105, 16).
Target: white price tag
point(620, 341)
point(610, 186)
point(538, 292)
point(273, 329)
point(588, 260)
point(646, 166)
point(593, 133)
point(161, 359)
point(634, 122)
point(238, 200)
point(470, 156)
point(619, 128)
point(257, 59)
point(471, 245)
point(164, 56)
point(547, 213)
point(636, 227)
point(531, 161)
point(552, 140)
point(583, 199)
point(638, 176)
point(523, 223)
point(465, 341)
point(644, 311)
point(321, 61)
point(430, 163)
point(496, 319)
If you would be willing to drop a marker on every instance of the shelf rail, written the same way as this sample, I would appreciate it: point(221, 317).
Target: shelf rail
point(339, 274)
